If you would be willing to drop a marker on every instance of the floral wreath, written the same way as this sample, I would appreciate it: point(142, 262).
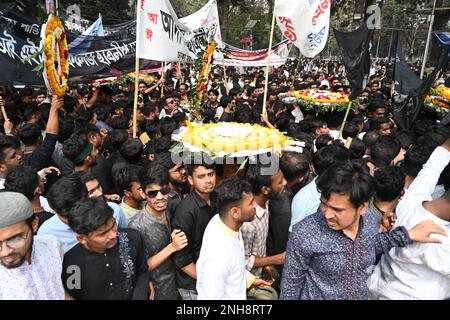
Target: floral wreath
point(55, 56)
point(321, 101)
point(439, 100)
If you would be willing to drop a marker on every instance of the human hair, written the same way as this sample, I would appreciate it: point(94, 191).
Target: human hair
point(88, 215)
point(102, 111)
point(125, 176)
point(192, 164)
point(66, 129)
point(162, 144)
point(294, 165)
point(445, 178)
point(22, 179)
point(374, 105)
point(74, 146)
point(406, 138)
point(152, 128)
point(350, 178)
point(148, 108)
point(283, 120)
point(156, 174)
point(230, 192)
point(84, 117)
point(225, 101)
point(167, 126)
point(384, 151)
point(375, 124)
point(120, 123)
point(388, 183)
point(323, 141)
point(165, 159)
point(213, 91)
point(29, 134)
point(328, 157)
point(30, 111)
point(69, 103)
point(415, 158)
point(350, 130)
point(357, 149)
point(370, 138)
point(132, 150)
point(116, 139)
point(7, 142)
point(255, 177)
point(313, 125)
point(64, 193)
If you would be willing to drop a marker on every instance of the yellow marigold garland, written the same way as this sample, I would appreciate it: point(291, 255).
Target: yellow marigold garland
point(55, 56)
point(257, 138)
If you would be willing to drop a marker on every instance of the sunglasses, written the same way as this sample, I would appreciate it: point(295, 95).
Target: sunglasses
point(154, 193)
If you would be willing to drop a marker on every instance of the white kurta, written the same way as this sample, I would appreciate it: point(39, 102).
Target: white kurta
point(221, 273)
point(40, 280)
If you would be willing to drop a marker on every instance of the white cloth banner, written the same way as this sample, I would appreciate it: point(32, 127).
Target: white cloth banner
point(207, 18)
point(305, 23)
point(161, 36)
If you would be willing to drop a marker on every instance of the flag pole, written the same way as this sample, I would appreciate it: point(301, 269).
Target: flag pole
point(224, 69)
point(345, 119)
point(427, 46)
point(136, 95)
point(163, 68)
point(57, 7)
point(266, 83)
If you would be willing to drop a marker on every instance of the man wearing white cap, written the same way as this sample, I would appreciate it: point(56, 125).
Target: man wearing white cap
point(30, 266)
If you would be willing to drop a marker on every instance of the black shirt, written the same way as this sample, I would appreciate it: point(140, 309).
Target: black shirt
point(121, 273)
point(279, 221)
point(41, 157)
point(192, 217)
point(226, 117)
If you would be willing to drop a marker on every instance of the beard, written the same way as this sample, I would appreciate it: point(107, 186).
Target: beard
point(16, 264)
point(21, 258)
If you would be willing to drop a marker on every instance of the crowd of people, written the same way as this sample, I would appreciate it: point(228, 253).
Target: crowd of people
point(87, 211)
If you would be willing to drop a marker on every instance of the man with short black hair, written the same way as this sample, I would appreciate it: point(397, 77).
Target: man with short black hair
point(160, 239)
point(192, 216)
point(221, 266)
point(111, 262)
point(328, 253)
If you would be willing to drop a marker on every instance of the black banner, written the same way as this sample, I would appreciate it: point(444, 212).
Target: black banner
point(112, 55)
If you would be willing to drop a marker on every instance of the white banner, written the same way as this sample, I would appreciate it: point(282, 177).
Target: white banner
point(305, 23)
point(159, 33)
point(161, 36)
point(206, 18)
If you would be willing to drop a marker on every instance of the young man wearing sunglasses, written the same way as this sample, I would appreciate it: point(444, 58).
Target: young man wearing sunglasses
point(161, 241)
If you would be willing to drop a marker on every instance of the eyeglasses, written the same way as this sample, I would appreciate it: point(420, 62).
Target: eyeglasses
point(15, 243)
point(170, 102)
point(154, 193)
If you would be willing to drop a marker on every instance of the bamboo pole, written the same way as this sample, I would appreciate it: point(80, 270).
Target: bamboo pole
point(136, 95)
point(163, 70)
point(266, 84)
point(345, 119)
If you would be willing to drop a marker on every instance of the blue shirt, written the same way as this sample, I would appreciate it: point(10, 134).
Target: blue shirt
point(305, 203)
point(54, 226)
point(322, 263)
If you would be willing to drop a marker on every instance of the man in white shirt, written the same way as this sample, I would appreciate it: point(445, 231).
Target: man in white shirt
point(421, 270)
point(221, 273)
point(30, 266)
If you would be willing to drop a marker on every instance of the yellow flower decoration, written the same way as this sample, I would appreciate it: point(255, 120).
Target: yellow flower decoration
point(232, 137)
point(55, 56)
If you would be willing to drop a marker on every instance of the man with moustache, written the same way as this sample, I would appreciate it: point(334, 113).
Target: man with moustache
point(221, 266)
point(192, 216)
point(161, 241)
point(30, 265)
point(108, 263)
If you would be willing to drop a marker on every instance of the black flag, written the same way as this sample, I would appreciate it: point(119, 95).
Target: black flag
point(355, 47)
point(411, 90)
